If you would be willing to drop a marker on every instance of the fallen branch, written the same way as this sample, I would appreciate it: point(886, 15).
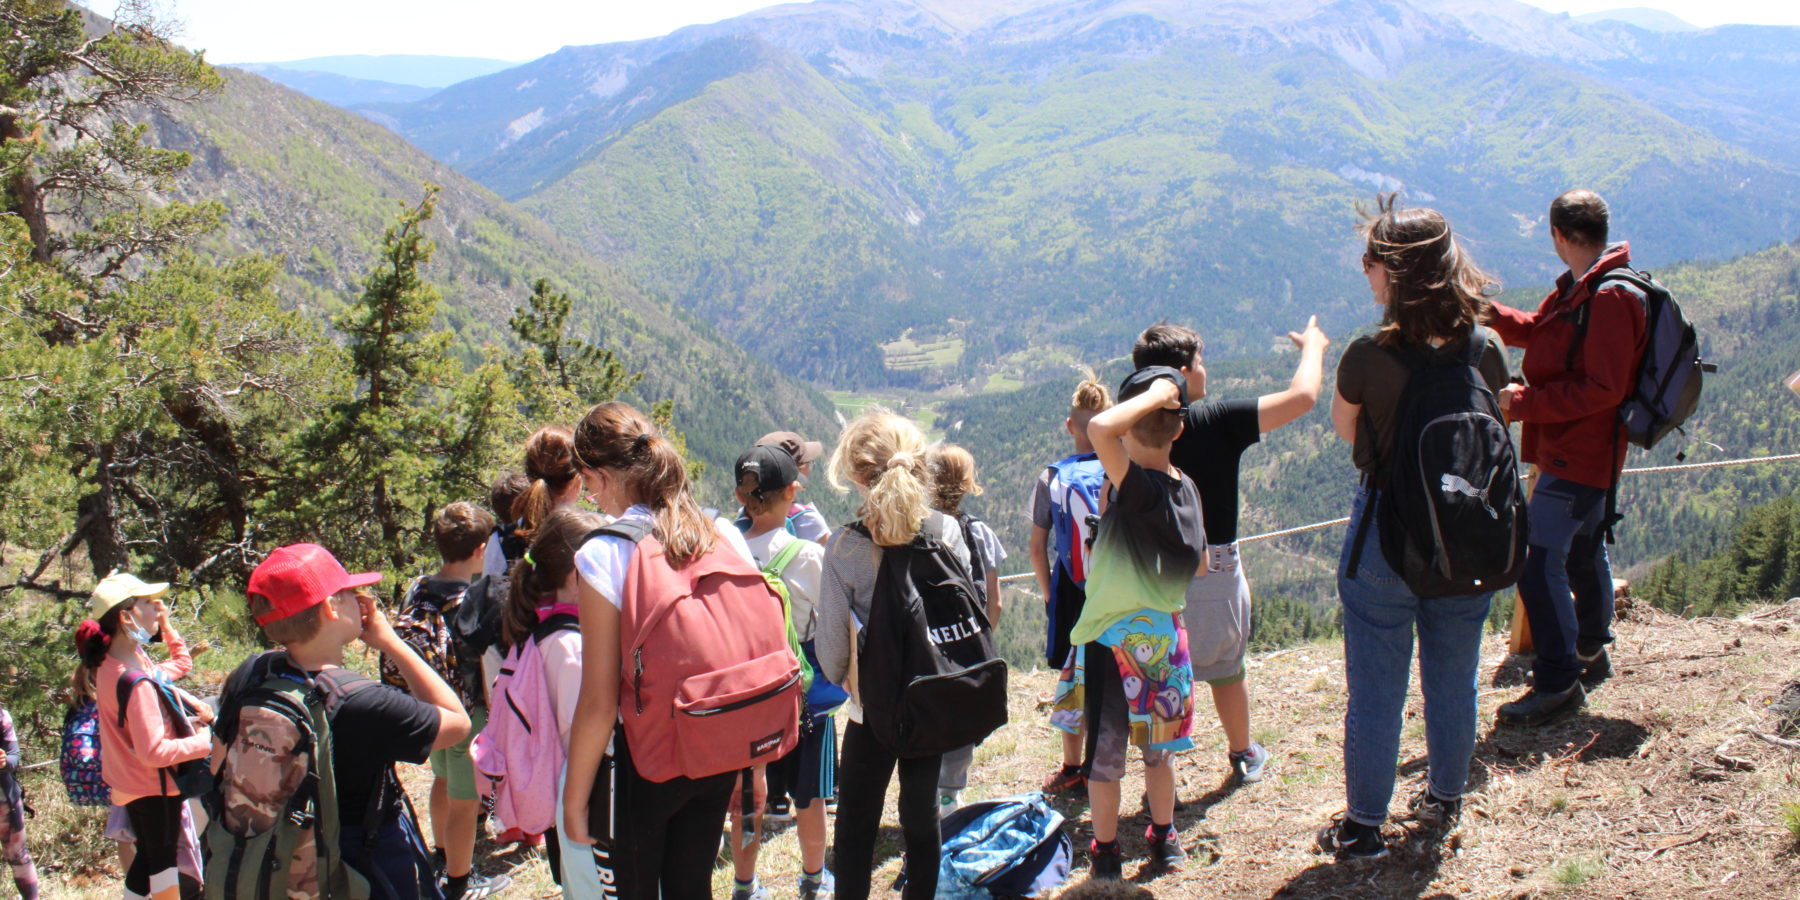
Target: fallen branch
point(1777, 741)
point(1667, 847)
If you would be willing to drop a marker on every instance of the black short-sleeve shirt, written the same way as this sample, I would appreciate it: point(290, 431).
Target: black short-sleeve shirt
point(1208, 450)
point(376, 727)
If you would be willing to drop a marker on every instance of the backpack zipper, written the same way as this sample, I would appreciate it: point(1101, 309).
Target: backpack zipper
point(747, 701)
point(637, 678)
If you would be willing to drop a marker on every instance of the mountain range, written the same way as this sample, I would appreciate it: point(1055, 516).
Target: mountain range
point(1021, 183)
point(316, 186)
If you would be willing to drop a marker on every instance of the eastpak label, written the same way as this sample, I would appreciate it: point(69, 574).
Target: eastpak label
point(766, 745)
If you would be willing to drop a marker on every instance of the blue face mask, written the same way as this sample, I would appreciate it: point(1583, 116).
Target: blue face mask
point(139, 634)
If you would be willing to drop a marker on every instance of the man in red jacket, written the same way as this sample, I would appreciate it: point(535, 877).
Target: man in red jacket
point(1572, 433)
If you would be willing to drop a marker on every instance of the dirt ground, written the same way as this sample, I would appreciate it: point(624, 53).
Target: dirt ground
point(1673, 783)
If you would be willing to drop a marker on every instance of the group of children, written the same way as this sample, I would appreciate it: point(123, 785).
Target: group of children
point(544, 605)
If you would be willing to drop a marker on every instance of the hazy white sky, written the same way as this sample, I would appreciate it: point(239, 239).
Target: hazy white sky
point(277, 30)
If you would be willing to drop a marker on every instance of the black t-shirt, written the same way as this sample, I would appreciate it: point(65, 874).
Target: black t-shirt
point(1215, 436)
point(376, 727)
point(1149, 545)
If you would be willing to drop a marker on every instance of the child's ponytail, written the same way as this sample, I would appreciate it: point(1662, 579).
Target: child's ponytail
point(615, 437)
point(93, 639)
point(550, 464)
point(543, 569)
point(886, 454)
point(953, 478)
point(1090, 395)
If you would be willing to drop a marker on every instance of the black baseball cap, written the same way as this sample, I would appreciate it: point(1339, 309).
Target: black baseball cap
point(764, 469)
point(1140, 381)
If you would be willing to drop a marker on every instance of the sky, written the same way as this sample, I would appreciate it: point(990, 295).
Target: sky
point(279, 30)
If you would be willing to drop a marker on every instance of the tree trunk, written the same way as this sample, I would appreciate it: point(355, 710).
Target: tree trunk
point(23, 196)
point(104, 535)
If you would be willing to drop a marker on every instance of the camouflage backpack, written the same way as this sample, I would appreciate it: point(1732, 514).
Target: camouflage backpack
point(274, 814)
point(424, 624)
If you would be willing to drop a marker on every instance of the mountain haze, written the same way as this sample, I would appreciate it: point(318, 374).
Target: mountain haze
point(820, 179)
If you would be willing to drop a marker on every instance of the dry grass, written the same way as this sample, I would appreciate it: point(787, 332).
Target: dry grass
point(1661, 788)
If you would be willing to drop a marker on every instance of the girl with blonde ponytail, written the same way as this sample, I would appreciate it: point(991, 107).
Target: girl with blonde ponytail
point(883, 456)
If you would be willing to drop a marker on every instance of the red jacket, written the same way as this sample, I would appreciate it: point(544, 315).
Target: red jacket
point(1571, 413)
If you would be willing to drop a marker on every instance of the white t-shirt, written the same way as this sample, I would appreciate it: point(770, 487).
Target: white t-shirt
point(802, 574)
point(602, 561)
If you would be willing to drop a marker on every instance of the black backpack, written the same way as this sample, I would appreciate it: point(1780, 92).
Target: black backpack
point(928, 677)
point(474, 626)
point(1451, 507)
point(1666, 390)
point(977, 570)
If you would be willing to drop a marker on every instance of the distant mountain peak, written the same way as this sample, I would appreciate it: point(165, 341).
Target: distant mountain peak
point(1641, 16)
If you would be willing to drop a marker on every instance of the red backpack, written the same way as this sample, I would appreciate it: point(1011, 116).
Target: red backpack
point(707, 681)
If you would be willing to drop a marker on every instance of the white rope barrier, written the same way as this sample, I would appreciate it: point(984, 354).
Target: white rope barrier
point(1647, 470)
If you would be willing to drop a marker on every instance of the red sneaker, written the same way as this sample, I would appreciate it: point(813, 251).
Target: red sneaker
point(1064, 781)
point(515, 836)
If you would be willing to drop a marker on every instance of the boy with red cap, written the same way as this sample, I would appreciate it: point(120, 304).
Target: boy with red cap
point(305, 601)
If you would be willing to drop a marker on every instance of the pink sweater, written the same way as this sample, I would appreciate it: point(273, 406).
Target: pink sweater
point(131, 757)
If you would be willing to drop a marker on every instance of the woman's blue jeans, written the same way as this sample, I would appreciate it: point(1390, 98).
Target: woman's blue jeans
point(1380, 617)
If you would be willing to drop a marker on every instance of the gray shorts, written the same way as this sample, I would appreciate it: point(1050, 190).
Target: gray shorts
point(1217, 618)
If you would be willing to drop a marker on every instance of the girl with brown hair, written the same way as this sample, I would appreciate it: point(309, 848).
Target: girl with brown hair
point(667, 833)
point(1432, 297)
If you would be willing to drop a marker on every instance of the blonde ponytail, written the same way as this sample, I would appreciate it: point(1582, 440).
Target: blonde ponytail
point(886, 454)
point(1090, 395)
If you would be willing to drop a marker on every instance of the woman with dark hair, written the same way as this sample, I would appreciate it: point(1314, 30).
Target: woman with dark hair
point(1432, 297)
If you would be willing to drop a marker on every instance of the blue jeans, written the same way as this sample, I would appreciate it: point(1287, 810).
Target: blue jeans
point(1380, 614)
point(1567, 584)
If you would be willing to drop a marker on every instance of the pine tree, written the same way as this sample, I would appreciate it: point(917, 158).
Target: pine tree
point(558, 376)
point(143, 394)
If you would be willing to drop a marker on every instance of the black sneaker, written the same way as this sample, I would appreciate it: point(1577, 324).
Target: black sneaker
point(1536, 708)
point(1432, 811)
point(1345, 838)
point(1166, 853)
point(1596, 664)
point(1105, 866)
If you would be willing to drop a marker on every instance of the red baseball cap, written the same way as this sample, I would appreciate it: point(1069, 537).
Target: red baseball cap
point(299, 577)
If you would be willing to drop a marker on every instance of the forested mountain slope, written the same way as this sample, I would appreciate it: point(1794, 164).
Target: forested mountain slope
point(817, 179)
point(317, 185)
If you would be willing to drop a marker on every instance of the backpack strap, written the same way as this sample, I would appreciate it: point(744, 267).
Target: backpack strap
point(554, 624)
point(787, 555)
point(633, 530)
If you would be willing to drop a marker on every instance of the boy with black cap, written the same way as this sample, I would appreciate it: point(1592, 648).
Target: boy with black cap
point(305, 601)
point(768, 478)
point(802, 519)
point(1133, 674)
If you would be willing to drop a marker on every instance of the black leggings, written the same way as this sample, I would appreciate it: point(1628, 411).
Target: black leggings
point(154, 871)
point(864, 771)
point(664, 836)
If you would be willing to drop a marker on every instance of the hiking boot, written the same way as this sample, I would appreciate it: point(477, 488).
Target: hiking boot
point(1166, 853)
point(1248, 765)
point(1346, 838)
point(1066, 780)
point(755, 891)
point(1432, 811)
point(1107, 866)
point(822, 889)
point(948, 802)
point(1536, 708)
point(1596, 664)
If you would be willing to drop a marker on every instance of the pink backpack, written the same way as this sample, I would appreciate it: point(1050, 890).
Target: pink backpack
point(519, 754)
point(708, 683)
